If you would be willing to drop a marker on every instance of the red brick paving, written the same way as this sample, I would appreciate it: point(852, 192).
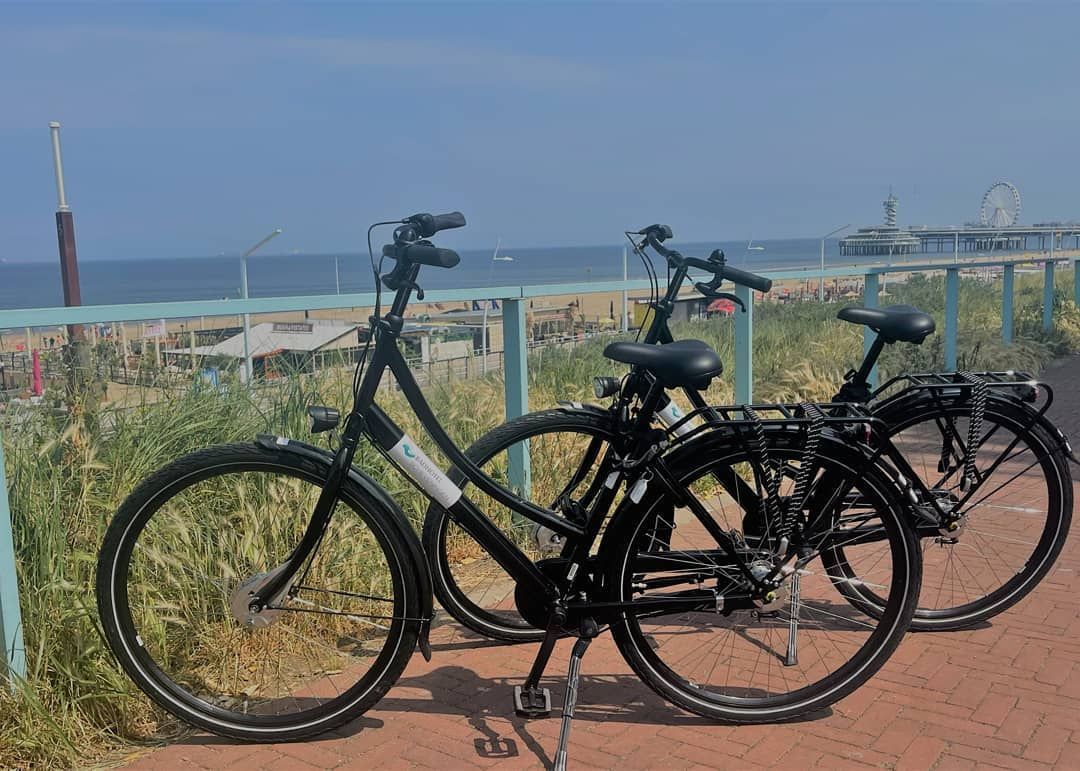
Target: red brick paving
point(1006, 695)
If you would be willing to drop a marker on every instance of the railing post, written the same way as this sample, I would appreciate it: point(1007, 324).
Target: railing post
point(871, 289)
point(14, 654)
point(1048, 296)
point(1076, 282)
point(952, 315)
point(744, 346)
point(1007, 297)
point(516, 378)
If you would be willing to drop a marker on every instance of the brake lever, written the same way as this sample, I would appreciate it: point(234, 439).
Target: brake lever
point(712, 294)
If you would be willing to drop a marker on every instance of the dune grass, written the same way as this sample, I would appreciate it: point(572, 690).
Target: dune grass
point(68, 474)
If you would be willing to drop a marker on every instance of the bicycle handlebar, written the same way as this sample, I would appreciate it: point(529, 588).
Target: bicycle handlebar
point(746, 278)
point(656, 234)
point(428, 225)
point(422, 254)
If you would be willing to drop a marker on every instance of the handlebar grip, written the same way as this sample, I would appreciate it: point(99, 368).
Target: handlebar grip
point(655, 239)
point(448, 221)
point(662, 232)
point(746, 278)
point(423, 254)
point(428, 225)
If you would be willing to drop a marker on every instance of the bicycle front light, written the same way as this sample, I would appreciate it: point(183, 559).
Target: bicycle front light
point(323, 418)
point(603, 387)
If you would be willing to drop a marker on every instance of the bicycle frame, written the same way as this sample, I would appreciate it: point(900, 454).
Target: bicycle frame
point(367, 419)
point(855, 391)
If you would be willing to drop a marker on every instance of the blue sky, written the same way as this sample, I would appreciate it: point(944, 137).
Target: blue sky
point(192, 129)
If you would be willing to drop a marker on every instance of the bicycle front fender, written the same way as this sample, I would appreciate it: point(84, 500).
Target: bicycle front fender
point(390, 513)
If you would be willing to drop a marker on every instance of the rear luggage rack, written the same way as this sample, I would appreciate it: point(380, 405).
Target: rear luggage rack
point(1023, 385)
point(1014, 384)
point(749, 418)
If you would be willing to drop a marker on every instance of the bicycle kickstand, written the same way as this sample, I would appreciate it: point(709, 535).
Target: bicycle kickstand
point(589, 632)
point(792, 658)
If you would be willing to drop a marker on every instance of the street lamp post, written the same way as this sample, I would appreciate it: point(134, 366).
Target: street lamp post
point(821, 281)
point(249, 373)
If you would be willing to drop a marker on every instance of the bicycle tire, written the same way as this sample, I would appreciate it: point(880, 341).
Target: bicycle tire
point(124, 638)
point(1026, 574)
point(750, 705)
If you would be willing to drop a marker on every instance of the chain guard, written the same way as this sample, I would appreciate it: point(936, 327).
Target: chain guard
point(536, 608)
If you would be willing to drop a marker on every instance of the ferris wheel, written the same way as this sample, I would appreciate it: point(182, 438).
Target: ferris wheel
point(1000, 205)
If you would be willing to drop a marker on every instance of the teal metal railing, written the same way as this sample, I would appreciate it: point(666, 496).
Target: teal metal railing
point(514, 344)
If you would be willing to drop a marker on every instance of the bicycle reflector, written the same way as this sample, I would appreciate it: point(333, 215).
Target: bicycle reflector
point(323, 418)
point(604, 387)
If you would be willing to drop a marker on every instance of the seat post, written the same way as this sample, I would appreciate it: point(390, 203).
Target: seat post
point(862, 375)
point(856, 386)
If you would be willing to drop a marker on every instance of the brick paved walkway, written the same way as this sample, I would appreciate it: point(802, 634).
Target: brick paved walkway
point(1006, 695)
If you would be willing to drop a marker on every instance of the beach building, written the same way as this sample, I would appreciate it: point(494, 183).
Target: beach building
point(541, 323)
point(686, 308)
point(279, 347)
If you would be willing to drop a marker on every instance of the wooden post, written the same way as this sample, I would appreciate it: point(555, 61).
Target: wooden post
point(1007, 298)
point(13, 655)
point(744, 346)
point(516, 383)
point(1048, 291)
point(871, 290)
point(1076, 282)
point(952, 315)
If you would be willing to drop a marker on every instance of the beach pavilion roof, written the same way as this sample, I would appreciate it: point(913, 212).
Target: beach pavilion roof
point(274, 337)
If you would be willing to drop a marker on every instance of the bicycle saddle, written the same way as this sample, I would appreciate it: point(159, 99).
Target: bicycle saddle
point(894, 322)
point(684, 363)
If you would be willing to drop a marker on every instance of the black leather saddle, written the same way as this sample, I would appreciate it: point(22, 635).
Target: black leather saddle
point(894, 322)
point(683, 363)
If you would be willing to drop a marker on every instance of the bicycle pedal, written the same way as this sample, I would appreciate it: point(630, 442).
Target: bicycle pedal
point(533, 703)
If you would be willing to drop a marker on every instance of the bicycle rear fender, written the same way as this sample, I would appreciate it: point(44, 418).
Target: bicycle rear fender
point(901, 403)
point(392, 515)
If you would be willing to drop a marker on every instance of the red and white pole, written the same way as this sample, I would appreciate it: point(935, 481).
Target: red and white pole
point(36, 387)
point(65, 235)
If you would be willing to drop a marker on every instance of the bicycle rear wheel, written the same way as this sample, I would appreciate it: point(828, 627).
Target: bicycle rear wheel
point(189, 544)
point(1016, 520)
point(797, 654)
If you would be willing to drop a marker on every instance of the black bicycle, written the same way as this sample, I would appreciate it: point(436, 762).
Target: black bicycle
point(271, 591)
point(985, 471)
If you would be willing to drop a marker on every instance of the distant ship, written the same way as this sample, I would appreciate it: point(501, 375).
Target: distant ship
point(751, 248)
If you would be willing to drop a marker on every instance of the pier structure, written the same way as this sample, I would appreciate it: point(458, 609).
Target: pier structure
point(883, 240)
point(971, 238)
point(998, 231)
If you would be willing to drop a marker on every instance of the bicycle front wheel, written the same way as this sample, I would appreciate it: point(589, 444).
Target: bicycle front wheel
point(798, 654)
point(189, 544)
